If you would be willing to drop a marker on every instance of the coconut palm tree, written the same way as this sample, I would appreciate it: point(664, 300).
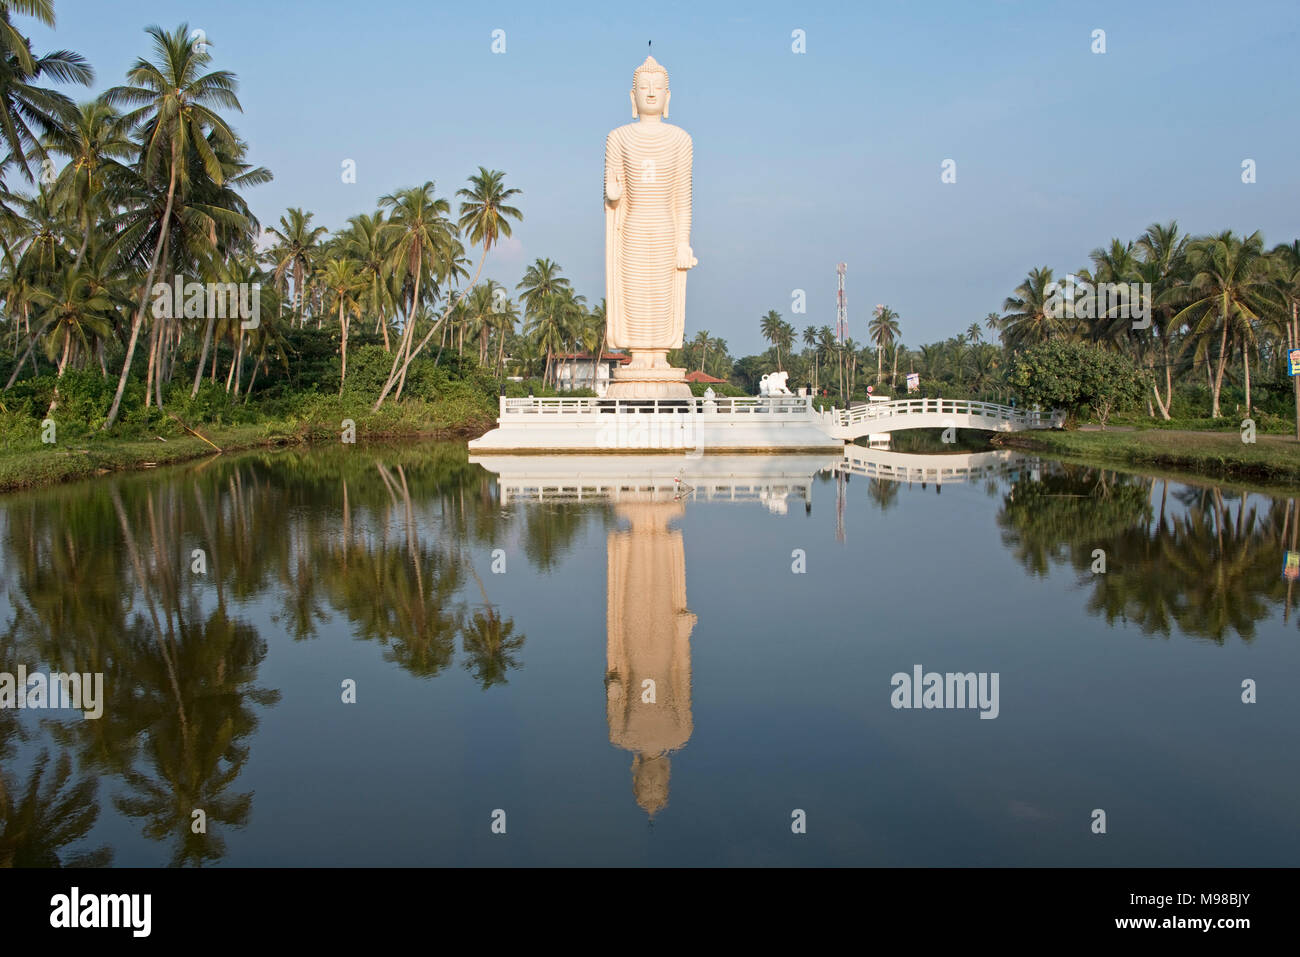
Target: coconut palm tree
point(344, 286)
point(785, 339)
point(75, 315)
point(1026, 321)
point(883, 330)
point(30, 113)
point(362, 242)
point(540, 289)
point(770, 327)
point(418, 235)
point(97, 143)
point(485, 218)
point(208, 222)
point(810, 342)
point(1227, 291)
point(505, 319)
point(1163, 253)
point(175, 105)
point(295, 254)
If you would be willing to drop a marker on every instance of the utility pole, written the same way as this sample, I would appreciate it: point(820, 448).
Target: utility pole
point(841, 324)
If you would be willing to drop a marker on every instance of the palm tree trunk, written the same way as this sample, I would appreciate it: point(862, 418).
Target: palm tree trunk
point(144, 297)
point(1245, 358)
point(62, 365)
point(403, 347)
point(434, 328)
point(239, 365)
point(234, 361)
point(31, 345)
point(153, 362)
point(158, 368)
point(261, 357)
point(85, 242)
point(1218, 375)
point(343, 324)
point(203, 356)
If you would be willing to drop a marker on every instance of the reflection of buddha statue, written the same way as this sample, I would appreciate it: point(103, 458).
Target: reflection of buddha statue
point(647, 240)
point(649, 633)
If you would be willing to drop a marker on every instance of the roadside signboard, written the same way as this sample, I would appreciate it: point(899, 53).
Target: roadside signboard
point(1293, 361)
point(1291, 566)
point(913, 381)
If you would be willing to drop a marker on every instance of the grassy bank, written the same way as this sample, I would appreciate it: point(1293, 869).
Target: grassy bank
point(1272, 458)
point(27, 462)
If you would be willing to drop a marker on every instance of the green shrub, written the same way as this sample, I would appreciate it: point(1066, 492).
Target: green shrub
point(1074, 376)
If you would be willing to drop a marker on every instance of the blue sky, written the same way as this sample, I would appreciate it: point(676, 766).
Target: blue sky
point(801, 160)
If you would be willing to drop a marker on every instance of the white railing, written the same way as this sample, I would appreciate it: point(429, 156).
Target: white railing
point(848, 418)
point(719, 405)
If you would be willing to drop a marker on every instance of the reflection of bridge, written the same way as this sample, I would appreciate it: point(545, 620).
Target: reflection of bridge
point(940, 469)
point(901, 414)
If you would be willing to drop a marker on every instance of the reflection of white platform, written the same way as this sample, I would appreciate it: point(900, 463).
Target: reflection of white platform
point(693, 426)
point(730, 478)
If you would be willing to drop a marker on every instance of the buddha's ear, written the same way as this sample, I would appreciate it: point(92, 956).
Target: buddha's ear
point(667, 96)
point(631, 95)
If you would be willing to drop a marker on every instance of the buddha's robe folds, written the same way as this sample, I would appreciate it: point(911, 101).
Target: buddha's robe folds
point(645, 292)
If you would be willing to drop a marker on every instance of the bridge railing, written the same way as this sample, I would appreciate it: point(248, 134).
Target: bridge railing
point(898, 407)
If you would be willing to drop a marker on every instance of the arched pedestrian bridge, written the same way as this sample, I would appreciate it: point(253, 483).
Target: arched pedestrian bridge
point(900, 414)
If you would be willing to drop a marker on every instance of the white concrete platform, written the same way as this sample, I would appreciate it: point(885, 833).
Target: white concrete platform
point(695, 426)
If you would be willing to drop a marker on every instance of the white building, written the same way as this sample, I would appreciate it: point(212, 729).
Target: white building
point(575, 370)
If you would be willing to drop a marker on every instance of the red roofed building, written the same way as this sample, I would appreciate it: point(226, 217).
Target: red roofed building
point(698, 376)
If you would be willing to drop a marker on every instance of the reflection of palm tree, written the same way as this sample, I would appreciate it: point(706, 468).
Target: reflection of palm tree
point(192, 764)
point(1224, 571)
point(48, 815)
point(884, 493)
point(1207, 572)
point(490, 642)
point(550, 531)
point(1067, 514)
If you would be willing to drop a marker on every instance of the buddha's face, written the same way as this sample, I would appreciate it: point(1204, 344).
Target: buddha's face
point(651, 94)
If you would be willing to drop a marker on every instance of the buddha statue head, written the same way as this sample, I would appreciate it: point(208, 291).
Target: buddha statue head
point(650, 782)
point(650, 90)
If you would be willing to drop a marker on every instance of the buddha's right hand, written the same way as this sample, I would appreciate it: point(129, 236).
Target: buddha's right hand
point(614, 189)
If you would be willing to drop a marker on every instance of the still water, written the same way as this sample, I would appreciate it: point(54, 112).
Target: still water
point(371, 655)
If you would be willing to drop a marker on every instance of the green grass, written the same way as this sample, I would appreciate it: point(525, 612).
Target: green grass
point(1272, 458)
point(26, 462)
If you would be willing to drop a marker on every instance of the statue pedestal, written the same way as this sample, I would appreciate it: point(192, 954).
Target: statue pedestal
point(648, 376)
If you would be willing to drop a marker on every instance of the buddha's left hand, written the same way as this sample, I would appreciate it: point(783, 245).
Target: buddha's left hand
point(686, 257)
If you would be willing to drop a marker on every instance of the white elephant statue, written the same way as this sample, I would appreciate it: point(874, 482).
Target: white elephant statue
point(774, 383)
